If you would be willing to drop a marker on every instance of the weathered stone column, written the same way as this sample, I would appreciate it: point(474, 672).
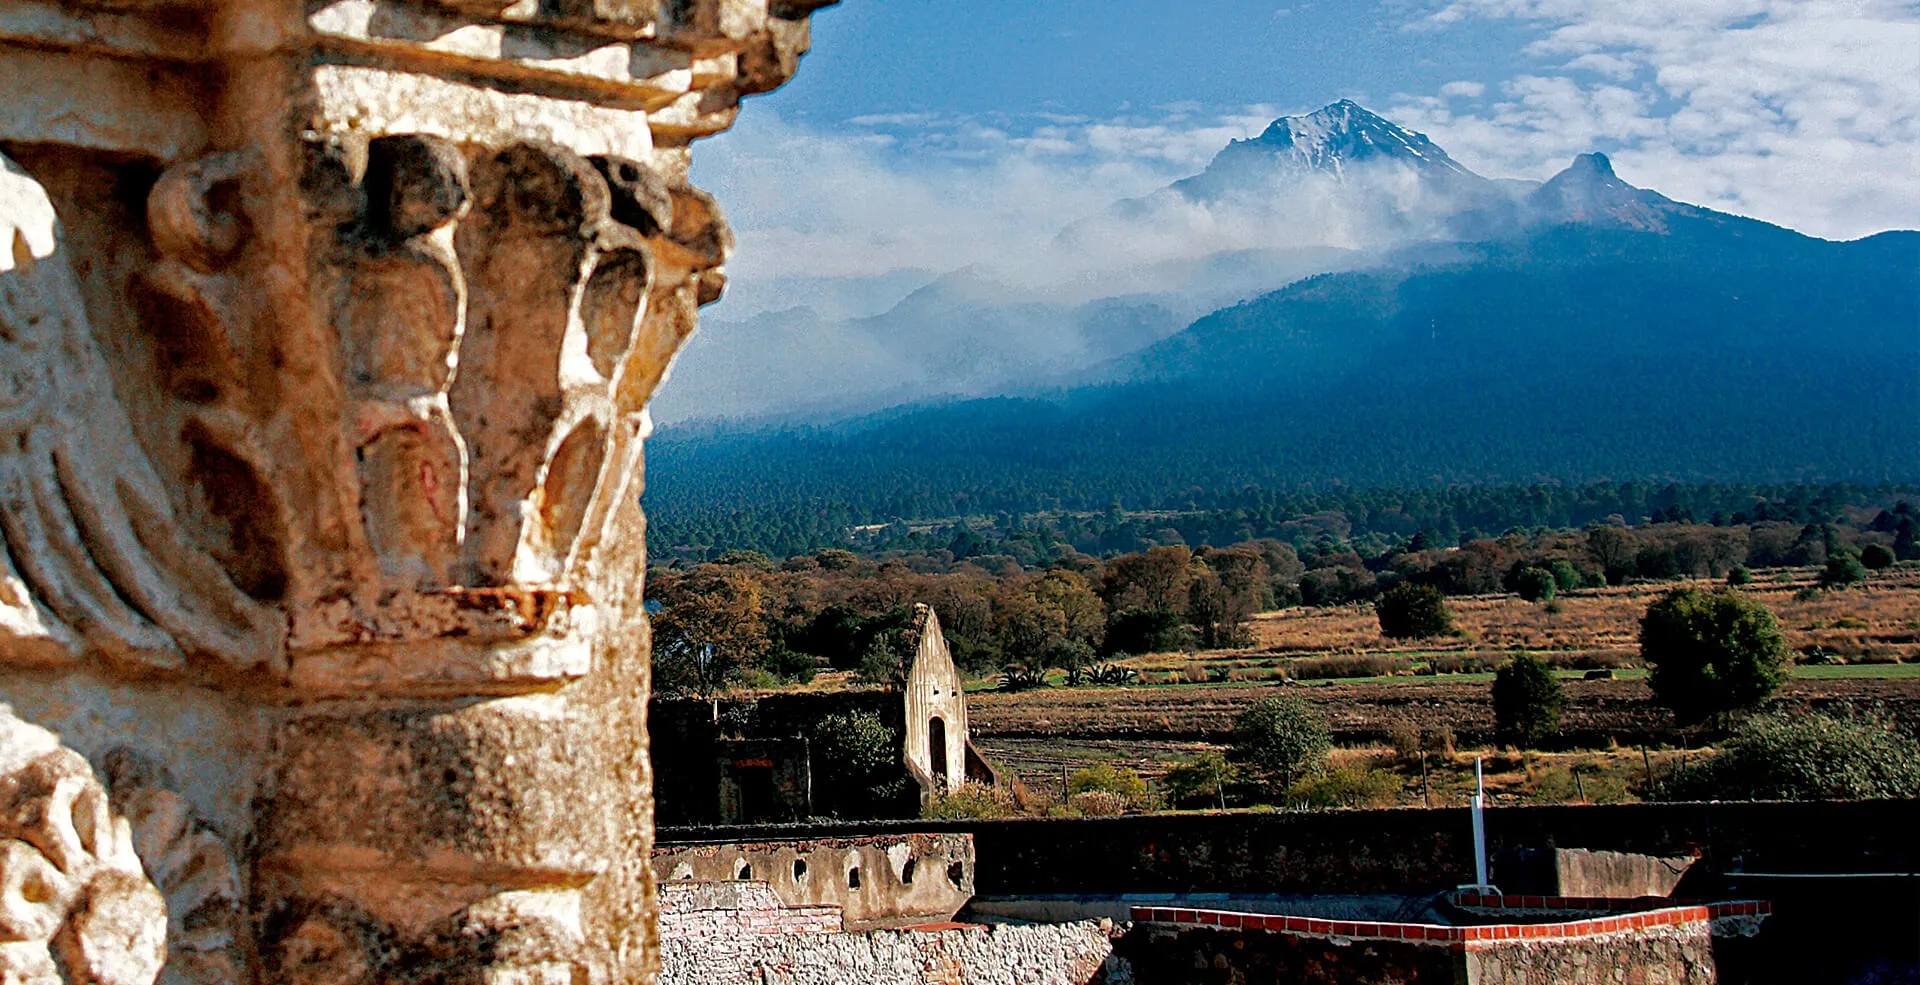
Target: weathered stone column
point(325, 336)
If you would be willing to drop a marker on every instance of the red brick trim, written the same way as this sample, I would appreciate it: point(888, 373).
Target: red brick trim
point(1471, 938)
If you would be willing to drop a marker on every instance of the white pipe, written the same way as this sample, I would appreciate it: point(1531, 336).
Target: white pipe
point(1479, 825)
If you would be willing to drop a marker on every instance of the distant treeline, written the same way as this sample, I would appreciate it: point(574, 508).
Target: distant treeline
point(745, 616)
point(1371, 523)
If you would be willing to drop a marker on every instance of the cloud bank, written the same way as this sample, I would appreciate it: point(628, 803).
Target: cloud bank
point(1801, 112)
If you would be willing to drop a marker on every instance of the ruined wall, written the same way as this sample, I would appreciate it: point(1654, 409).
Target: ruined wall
point(895, 881)
point(731, 909)
point(1671, 954)
point(1067, 954)
point(326, 332)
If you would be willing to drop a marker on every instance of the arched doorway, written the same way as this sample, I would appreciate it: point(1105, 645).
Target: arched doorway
point(937, 751)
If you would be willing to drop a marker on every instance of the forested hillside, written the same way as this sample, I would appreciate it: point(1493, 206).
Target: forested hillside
point(1719, 350)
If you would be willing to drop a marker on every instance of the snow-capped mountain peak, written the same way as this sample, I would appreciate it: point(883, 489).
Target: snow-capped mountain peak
point(1344, 133)
point(1335, 142)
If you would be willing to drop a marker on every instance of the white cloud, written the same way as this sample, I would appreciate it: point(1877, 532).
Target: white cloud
point(1801, 112)
point(918, 192)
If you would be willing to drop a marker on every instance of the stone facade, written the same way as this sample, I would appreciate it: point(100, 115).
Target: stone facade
point(937, 738)
point(326, 333)
point(881, 881)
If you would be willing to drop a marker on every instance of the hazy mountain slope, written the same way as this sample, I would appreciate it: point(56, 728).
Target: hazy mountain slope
point(1716, 350)
point(1303, 197)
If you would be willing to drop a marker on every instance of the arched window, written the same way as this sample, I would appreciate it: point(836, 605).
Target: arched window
point(937, 749)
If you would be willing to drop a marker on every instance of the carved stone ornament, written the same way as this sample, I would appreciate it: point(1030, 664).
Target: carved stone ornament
point(75, 906)
point(326, 335)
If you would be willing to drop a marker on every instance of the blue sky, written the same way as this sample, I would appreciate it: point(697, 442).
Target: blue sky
point(926, 135)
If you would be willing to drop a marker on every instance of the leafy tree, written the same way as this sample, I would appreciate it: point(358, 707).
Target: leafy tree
point(1281, 739)
point(1739, 575)
point(1144, 631)
point(1906, 540)
point(1527, 699)
point(1153, 579)
point(1082, 615)
point(1876, 557)
point(835, 559)
point(1711, 652)
point(1843, 568)
point(708, 627)
point(1535, 584)
point(1566, 576)
point(1201, 781)
point(1614, 550)
point(750, 559)
point(1804, 757)
point(860, 766)
point(1413, 612)
point(1335, 585)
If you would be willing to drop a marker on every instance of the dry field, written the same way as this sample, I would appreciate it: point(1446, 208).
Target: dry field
point(1876, 622)
point(1874, 628)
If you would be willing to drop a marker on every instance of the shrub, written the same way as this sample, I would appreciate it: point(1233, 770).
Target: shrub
point(1404, 736)
point(1016, 678)
point(973, 799)
point(1412, 612)
point(1346, 787)
point(1807, 757)
point(1330, 668)
point(1876, 557)
point(1281, 739)
point(1588, 660)
point(1843, 569)
point(1739, 575)
point(1202, 781)
point(1466, 664)
point(1535, 584)
point(1104, 778)
point(1711, 652)
point(1526, 701)
point(1099, 803)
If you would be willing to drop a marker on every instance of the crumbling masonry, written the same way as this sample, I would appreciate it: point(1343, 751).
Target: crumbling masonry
point(326, 331)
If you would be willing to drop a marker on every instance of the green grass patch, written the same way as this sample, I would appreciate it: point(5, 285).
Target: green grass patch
point(1849, 672)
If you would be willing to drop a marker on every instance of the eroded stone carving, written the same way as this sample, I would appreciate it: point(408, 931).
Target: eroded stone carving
point(75, 906)
point(93, 543)
point(193, 867)
point(326, 336)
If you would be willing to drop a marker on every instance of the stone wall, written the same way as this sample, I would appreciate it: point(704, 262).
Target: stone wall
point(1535, 942)
point(1673, 955)
point(1068, 954)
point(881, 881)
point(691, 910)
